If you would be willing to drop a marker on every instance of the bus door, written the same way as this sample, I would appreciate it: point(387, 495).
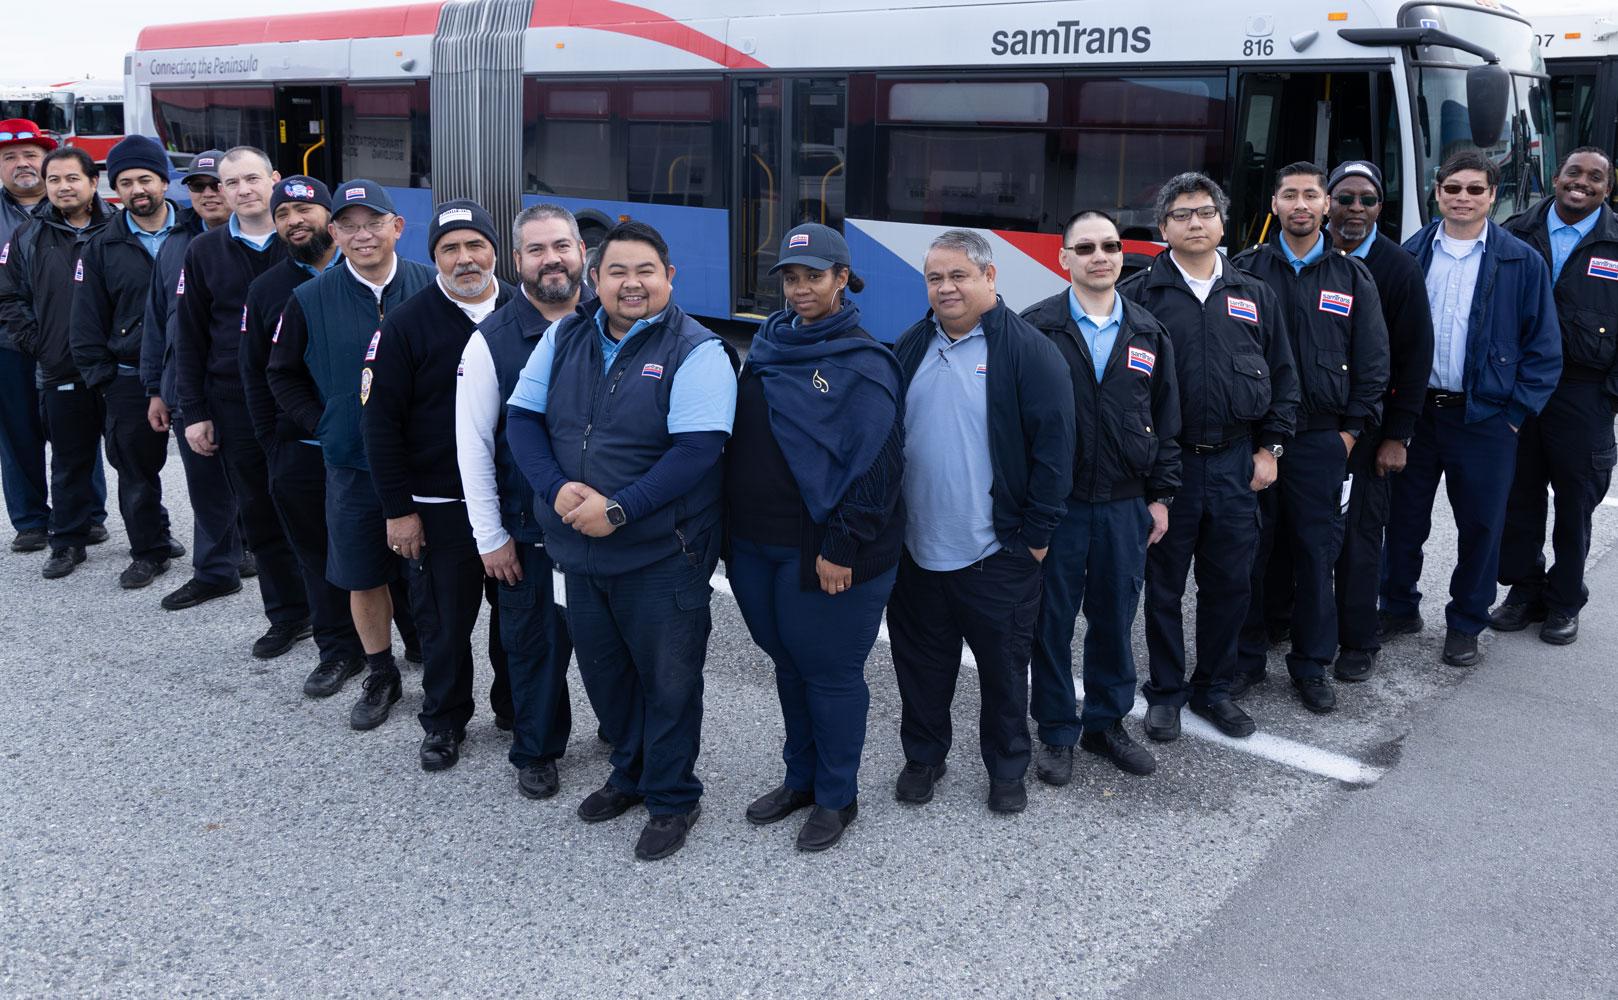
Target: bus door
point(305, 140)
point(792, 141)
point(1321, 117)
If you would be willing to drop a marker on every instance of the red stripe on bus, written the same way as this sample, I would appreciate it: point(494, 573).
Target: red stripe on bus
point(639, 22)
point(1044, 247)
point(379, 22)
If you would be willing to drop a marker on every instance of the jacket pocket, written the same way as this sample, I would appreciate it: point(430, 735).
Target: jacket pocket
point(1249, 387)
point(1589, 337)
point(1604, 460)
point(1330, 384)
point(1497, 375)
point(1137, 446)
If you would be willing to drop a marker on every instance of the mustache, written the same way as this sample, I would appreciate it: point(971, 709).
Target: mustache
point(465, 270)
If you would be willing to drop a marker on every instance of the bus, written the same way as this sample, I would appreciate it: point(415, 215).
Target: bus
point(1581, 53)
point(84, 113)
point(725, 122)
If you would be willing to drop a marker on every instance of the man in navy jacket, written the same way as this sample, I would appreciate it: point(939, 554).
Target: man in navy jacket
point(1497, 355)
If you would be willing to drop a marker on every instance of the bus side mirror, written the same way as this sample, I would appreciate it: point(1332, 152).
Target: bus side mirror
point(1488, 97)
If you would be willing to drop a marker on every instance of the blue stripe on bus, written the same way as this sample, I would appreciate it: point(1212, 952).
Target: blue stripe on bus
point(895, 292)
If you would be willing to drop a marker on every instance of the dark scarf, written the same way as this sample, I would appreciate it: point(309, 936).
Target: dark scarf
point(832, 400)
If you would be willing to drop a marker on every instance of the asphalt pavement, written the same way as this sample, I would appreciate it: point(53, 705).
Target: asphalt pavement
point(176, 819)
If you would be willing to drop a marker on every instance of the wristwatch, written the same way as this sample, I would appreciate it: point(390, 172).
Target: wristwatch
point(1167, 501)
point(1275, 450)
point(615, 514)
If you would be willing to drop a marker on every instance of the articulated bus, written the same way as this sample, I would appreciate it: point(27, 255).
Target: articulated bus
point(725, 122)
point(1581, 54)
point(84, 113)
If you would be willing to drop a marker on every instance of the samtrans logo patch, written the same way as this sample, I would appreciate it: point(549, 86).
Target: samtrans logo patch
point(1245, 309)
point(1336, 303)
point(1600, 267)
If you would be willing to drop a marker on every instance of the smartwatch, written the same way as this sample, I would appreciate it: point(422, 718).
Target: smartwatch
point(615, 514)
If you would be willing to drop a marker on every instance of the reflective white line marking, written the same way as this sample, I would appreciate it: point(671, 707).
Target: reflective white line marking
point(1277, 749)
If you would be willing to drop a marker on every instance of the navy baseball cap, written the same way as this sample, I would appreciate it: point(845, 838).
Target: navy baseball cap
point(361, 192)
point(204, 164)
point(812, 245)
point(299, 188)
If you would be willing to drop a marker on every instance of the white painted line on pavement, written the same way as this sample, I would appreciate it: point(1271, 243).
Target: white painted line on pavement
point(1609, 502)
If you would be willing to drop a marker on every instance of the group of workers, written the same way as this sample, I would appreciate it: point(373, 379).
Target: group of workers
point(397, 444)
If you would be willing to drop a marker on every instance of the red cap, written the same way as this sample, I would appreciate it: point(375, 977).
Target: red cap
point(19, 130)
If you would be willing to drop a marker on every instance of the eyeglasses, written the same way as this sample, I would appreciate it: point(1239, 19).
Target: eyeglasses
point(1087, 248)
point(9, 136)
point(1201, 212)
point(1368, 200)
point(1475, 190)
point(376, 227)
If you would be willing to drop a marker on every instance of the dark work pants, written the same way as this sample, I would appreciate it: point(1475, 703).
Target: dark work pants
point(992, 605)
point(1359, 565)
point(1097, 562)
point(138, 453)
point(1476, 462)
point(1214, 519)
point(500, 699)
point(819, 643)
point(1568, 447)
point(22, 444)
point(216, 542)
point(298, 487)
point(533, 633)
point(280, 584)
point(641, 639)
point(1302, 512)
point(446, 587)
point(74, 418)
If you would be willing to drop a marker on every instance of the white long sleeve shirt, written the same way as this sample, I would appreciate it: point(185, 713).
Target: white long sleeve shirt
point(477, 414)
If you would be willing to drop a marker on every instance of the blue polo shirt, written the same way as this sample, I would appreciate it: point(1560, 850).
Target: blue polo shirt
point(152, 242)
point(703, 397)
point(1100, 339)
point(1566, 235)
point(258, 244)
point(1299, 263)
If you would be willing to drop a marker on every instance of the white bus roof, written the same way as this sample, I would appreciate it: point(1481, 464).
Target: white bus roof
point(694, 35)
point(1575, 34)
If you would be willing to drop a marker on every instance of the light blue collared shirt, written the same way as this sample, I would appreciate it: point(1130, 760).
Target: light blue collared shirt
point(336, 258)
point(1565, 236)
point(257, 243)
point(1100, 339)
point(1364, 249)
point(1452, 278)
point(950, 522)
point(1299, 263)
point(703, 397)
point(152, 242)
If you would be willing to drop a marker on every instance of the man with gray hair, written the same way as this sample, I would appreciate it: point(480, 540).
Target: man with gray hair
point(499, 499)
point(989, 437)
point(1238, 398)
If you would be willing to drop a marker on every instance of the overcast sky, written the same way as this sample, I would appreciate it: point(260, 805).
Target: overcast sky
point(90, 37)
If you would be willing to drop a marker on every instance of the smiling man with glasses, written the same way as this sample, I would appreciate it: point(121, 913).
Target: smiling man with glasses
point(1485, 383)
point(1126, 468)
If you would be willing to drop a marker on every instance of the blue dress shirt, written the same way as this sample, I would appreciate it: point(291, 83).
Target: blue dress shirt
point(1565, 236)
point(1452, 278)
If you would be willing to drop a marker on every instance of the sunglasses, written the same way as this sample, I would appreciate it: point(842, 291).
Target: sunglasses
point(1475, 190)
point(1202, 212)
point(9, 136)
point(203, 185)
point(1086, 249)
point(1368, 200)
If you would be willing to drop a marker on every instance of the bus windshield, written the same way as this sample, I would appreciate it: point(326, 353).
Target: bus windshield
point(42, 111)
point(1524, 151)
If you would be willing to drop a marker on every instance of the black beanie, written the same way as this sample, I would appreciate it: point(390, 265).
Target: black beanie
point(461, 213)
point(137, 152)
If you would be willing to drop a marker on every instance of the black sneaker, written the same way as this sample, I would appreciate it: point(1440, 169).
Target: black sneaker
point(381, 691)
point(247, 566)
point(1460, 649)
point(98, 534)
point(280, 638)
point(777, 804)
point(1354, 665)
point(916, 781)
point(141, 573)
point(62, 562)
point(1007, 796)
point(329, 677)
point(194, 592)
point(1317, 695)
point(1389, 624)
point(441, 749)
point(1115, 744)
point(32, 540)
point(538, 780)
point(607, 802)
point(176, 550)
point(1514, 616)
point(1560, 629)
point(824, 827)
point(1054, 764)
point(663, 835)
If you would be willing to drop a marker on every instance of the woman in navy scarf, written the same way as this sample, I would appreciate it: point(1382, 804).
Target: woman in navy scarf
point(815, 521)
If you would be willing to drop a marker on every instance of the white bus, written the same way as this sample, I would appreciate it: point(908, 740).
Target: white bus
point(725, 122)
point(1581, 53)
point(84, 113)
